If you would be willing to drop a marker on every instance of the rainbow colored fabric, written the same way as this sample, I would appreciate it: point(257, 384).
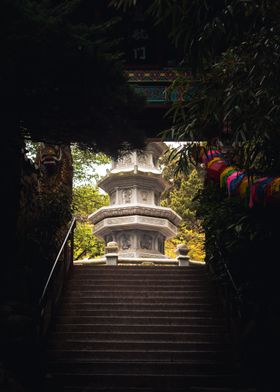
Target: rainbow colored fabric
point(265, 190)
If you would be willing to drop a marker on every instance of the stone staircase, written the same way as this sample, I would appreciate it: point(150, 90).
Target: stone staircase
point(140, 329)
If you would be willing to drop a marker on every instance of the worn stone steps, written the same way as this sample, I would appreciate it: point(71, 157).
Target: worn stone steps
point(88, 305)
point(160, 389)
point(137, 313)
point(141, 278)
point(141, 355)
point(144, 279)
point(102, 381)
point(138, 287)
point(116, 327)
point(215, 389)
point(155, 272)
point(139, 336)
point(140, 329)
point(148, 367)
point(127, 344)
point(132, 320)
point(141, 269)
point(196, 298)
point(161, 294)
point(108, 272)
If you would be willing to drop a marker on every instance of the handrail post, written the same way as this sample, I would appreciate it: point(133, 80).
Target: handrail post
point(65, 259)
point(72, 246)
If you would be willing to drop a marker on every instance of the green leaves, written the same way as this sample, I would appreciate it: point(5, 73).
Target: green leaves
point(86, 200)
point(186, 183)
point(124, 4)
point(86, 245)
point(62, 74)
point(86, 165)
point(233, 51)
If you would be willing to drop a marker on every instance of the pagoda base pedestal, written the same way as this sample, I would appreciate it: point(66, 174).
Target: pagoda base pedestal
point(138, 243)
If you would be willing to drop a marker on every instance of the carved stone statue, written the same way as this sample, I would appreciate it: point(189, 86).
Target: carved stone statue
point(146, 242)
point(125, 241)
point(145, 195)
point(127, 194)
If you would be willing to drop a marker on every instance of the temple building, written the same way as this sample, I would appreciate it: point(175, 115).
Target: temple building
point(134, 219)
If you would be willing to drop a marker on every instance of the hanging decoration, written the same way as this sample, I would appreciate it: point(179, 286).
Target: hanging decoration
point(234, 182)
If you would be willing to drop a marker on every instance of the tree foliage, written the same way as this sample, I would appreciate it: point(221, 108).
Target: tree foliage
point(229, 69)
point(86, 200)
point(86, 165)
point(86, 246)
point(181, 198)
point(246, 242)
point(62, 75)
point(62, 81)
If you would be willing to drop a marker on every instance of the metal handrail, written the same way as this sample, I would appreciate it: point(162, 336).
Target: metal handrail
point(48, 302)
point(71, 228)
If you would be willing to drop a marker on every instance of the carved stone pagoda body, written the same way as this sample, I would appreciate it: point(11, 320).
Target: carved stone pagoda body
point(134, 219)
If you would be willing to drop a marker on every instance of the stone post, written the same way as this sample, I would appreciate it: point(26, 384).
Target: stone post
point(111, 253)
point(182, 255)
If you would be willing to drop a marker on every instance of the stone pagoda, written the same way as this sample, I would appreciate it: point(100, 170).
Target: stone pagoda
point(134, 219)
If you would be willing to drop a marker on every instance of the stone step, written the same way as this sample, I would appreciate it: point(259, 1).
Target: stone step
point(141, 280)
point(142, 268)
point(140, 288)
point(140, 306)
point(136, 293)
point(147, 367)
point(186, 328)
point(139, 336)
point(132, 275)
point(193, 299)
point(138, 320)
point(217, 389)
point(131, 344)
point(124, 272)
point(160, 389)
point(137, 313)
point(156, 329)
point(141, 355)
point(93, 380)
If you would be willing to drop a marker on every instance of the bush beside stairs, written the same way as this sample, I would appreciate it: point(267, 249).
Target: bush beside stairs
point(141, 329)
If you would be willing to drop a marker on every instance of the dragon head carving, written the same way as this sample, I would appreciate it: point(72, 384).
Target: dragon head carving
point(49, 157)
